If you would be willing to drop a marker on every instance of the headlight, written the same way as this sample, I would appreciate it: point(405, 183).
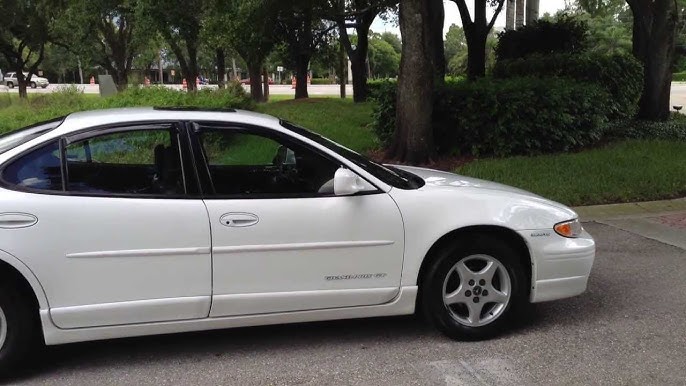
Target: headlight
point(570, 228)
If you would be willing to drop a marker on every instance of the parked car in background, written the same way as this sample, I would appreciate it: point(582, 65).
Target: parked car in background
point(131, 222)
point(10, 80)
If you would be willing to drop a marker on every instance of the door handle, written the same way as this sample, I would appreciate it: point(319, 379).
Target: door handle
point(239, 220)
point(17, 220)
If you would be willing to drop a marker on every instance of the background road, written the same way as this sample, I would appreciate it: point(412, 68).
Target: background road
point(629, 328)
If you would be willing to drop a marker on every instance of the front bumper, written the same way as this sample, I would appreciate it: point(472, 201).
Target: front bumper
point(560, 266)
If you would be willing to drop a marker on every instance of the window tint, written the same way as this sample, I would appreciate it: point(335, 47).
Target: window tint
point(140, 162)
point(40, 169)
point(245, 163)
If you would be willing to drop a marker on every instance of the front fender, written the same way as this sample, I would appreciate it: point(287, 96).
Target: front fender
point(430, 214)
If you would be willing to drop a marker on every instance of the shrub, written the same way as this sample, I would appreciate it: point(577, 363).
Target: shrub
point(620, 74)
point(505, 117)
point(673, 129)
point(233, 96)
point(316, 81)
point(679, 77)
point(384, 110)
point(567, 34)
point(374, 86)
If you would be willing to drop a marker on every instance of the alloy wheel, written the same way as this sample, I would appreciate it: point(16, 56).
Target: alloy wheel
point(477, 290)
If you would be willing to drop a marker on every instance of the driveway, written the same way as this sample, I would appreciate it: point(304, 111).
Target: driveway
point(629, 328)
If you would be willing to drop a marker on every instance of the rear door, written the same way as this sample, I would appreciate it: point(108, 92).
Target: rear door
point(121, 236)
point(281, 240)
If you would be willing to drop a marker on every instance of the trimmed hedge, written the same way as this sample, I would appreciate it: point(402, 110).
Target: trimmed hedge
point(503, 117)
point(621, 75)
point(673, 129)
point(568, 34)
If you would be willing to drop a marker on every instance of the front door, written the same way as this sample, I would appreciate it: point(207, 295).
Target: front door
point(281, 241)
point(118, 240)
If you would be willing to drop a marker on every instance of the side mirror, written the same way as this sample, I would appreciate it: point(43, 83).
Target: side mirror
point(347, 183)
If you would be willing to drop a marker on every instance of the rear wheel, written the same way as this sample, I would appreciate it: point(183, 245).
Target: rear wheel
point(473, 287)
point(10, 84)
point(17, 329)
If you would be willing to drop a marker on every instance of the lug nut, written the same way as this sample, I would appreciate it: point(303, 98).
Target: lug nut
point(485, 293)
point(476, 300)
point(471, 282)
point(482, 282)
point(468, 293)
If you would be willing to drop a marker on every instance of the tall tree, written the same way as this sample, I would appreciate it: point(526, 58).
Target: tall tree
point(247, 26)
point(532, 8)
point(179, 22)
point(654, 30)
point(413, 140)
point(25, 28)
point(304, 32)
point(476, 31)
point(510, 14)
point(519, 14)
point(358, 15)
point(107, 32)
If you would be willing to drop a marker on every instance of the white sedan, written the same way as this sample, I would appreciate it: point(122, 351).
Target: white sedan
point(143, 221)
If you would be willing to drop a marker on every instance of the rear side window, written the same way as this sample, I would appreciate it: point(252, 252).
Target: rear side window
point(40, 169)
point(132, 162)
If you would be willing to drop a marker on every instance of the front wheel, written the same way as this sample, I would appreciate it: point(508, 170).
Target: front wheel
point(473, 288)
point(10, 84)
point(33, 85)
point(17, 330)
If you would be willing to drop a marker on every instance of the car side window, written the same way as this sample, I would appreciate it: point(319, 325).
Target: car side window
point(138, 162)
point(251, 164)
point(40, 169)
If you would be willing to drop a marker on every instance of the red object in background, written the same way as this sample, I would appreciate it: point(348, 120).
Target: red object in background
point(92, 80)
point(184, 85)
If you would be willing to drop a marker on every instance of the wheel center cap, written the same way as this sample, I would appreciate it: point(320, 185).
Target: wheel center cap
point(477, 290)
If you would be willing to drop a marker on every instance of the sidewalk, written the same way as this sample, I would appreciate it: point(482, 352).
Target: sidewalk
point(664, 221)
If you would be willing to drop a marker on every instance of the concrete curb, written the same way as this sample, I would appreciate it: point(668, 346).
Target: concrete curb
point(619, 211)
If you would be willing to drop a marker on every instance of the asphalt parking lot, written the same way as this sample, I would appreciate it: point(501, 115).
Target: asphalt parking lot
point(629, 328)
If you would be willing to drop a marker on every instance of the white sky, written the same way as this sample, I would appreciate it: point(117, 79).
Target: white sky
point(452, 15)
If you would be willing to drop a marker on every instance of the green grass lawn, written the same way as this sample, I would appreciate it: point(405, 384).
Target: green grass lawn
point(340, 120)
point(635, 170)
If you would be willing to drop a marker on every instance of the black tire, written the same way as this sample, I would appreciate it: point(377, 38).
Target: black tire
point(33, 85)
point(433, 305)
point(10, 84)
point(21, 333)
point(44, 86)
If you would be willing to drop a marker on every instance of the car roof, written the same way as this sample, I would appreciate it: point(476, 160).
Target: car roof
point(93, 118)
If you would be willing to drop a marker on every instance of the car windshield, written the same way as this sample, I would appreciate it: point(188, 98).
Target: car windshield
point(388, 174)
point(15, 138)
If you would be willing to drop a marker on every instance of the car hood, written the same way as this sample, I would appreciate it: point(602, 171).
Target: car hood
point(439, 179)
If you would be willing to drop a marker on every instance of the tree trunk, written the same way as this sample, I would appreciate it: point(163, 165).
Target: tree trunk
point(510, 15)
point(255, 70)
point(437, 15)
point(413, 140)
point(476, 55)
point(342, 64)
point(265, 83)
point(221, 67)
point(21, 82)
point(532, 8)
point(654, 30)
point(302, 62)
point(358, 67)
point(519, 14)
